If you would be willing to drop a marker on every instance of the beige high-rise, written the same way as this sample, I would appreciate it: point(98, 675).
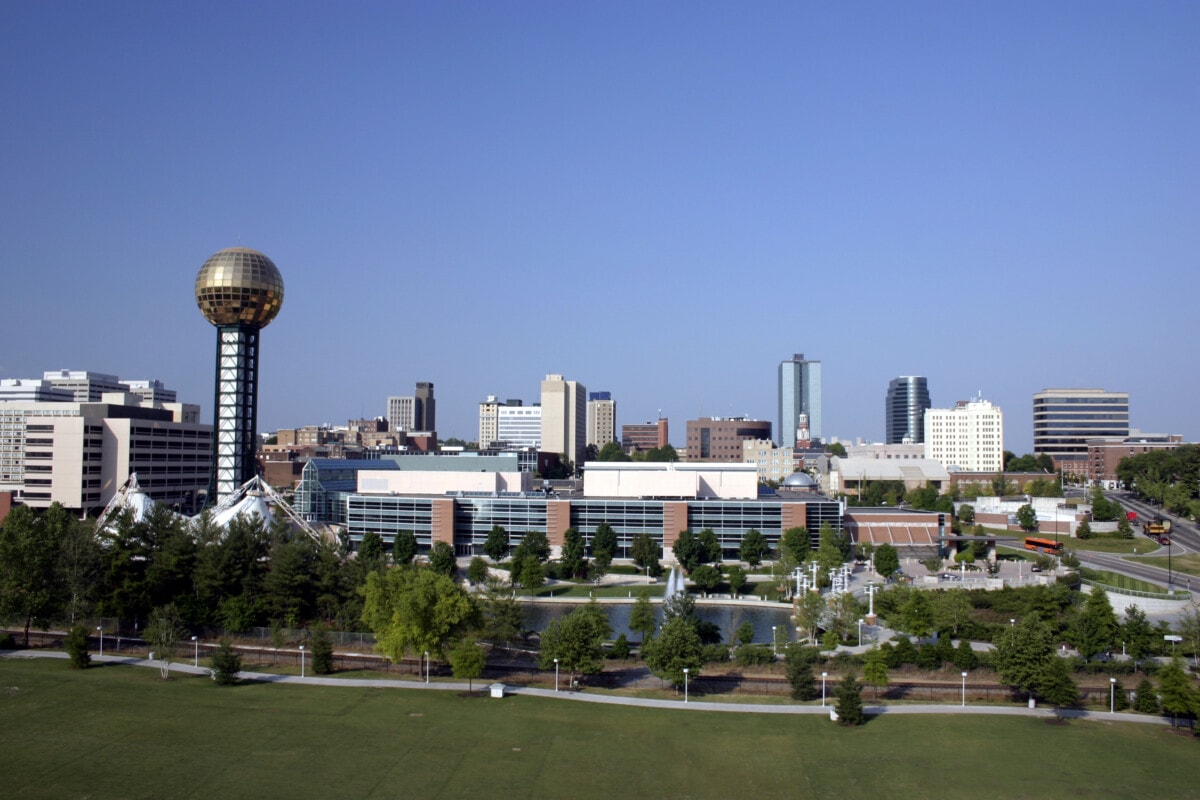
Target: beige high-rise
point(564, 417)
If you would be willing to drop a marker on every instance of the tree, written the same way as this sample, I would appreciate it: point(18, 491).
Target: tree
point(620, 648)
point(1083, 530)
point(754, 548)
point(646, 552)
point(500, 616)
point(604, 547)
point(795, 542)
point(322, 651)
point(404, 548)
point(78, 569)
point(836, 449)
point(1056, 686)
point(964, 657)
point(1189, 628)
point(1146, 700)
point(370, 551)
point(1096, 627)
point(496, 546)
point(641, 617)
point(745, 633)
point(162, 634)
point(528, 572)
point(418, 610)
point(467, 660)
point(677, 647)
point(951, 610)
point(688, 550)
point(76, 643)
point(1124, 528)
point(1021, 654)
point(706, 577)
point(966, 513)
point(612, 451)
point(533, 543)
point(875, 668)
point(576, 640)
point(29, 545)
point(849, 705)
point(226, 663)
point(799, 662)
point(1027, 518)
point(809, 611)
point(441, 559)
point(574, 554)
point(1120, 699)
point(916, 614)
point(710, 547)
point(737, 579)
point(1178, 695)
point(477, 570)
point(887, 560)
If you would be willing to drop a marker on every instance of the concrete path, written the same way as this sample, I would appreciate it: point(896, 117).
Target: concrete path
point(616, 700)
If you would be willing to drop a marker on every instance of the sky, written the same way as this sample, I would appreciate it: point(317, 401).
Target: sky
point(662, 200)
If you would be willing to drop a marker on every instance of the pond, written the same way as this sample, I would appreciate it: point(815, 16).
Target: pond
point(726, 618)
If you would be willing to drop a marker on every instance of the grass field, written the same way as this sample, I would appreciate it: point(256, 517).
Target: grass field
point(1189, 563)
point(1120, 581)
point(118, 731)
point(1114, 545)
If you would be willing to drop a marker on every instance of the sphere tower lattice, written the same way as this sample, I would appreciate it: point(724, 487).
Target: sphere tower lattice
point(240, 291)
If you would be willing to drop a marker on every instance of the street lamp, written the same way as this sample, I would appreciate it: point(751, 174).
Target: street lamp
point(1011, 622)
point(556, 674)
point(428, 664)
point(685, 688)
point(824, 675)
point(100, 628)
point(774, 641)
point(964, 688)
point(301, 661)
point(1112, 695)
point(860, 624)
point(195, 652)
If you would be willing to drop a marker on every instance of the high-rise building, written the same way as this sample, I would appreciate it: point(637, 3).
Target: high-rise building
point(425, 407)
point(239, 291)
point(720, 438)
point(519, 426)
point(966, 438)
point(402, 413)
point(799, 394)
point(601, 419)
point(87, 387)
point(489, 421)
point(1064, 420)
point(904, 410)
point(564, 418)
point(645, 437)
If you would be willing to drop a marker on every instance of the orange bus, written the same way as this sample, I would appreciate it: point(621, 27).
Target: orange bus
point(1043, 546)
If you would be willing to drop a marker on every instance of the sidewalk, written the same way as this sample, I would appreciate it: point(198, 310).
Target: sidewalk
point(617, 700)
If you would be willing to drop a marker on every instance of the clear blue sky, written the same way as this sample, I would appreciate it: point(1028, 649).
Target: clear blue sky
point(658, 199)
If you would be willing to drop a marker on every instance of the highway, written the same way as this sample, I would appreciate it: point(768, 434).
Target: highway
point(1185, 538)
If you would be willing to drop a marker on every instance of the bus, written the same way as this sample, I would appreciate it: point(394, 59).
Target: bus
point(1043, 546)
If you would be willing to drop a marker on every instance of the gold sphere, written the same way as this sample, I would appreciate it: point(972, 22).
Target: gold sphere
point(239, 286)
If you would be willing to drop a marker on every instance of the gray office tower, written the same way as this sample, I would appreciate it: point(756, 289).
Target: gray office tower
point(904, 410)
point(799, 394)
point(425, 408)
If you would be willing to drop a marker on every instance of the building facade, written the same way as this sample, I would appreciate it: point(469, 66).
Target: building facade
point(601, 419)
point(799, 395)
point(774, 464)
point(519, 426)
point(564, 417)
point(721, 438)
point(1065, 419)
point(1104, 455)
point(904, 410)
point(640, 438)
point(968, 437)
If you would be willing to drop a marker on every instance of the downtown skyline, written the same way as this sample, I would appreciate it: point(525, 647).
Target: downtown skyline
point(659, 202)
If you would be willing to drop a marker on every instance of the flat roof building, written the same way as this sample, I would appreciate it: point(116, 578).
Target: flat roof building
point(1065, 419)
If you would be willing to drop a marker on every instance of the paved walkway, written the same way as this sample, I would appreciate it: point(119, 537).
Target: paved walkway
point(617, 700)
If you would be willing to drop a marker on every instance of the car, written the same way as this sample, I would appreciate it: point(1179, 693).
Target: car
point(1035, 568)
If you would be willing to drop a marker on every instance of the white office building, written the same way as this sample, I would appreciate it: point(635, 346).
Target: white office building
point(519, 426)
point(966, 438)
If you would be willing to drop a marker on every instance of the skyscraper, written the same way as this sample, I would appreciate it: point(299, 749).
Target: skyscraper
point(424, 413)
point(601, 419)
point(564, 418)
point(799, 393)
point(904, 410)
point(969, 437)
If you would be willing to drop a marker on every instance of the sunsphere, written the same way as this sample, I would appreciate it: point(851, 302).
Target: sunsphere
point(239, 286)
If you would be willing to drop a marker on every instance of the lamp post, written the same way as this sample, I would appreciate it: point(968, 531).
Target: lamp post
point(1112, 695)
point(1011, 621)
point(860, 624)
point(774, 641)
point(301, 661)
point(964, 688)
point(685, 686)
point(824, 675)
point(556, 674)
point(195, 652)
point(100, 628)
point(427, 665)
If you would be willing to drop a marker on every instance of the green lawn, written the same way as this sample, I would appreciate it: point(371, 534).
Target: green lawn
point(591, 590)
point(1120, 581)
point(118, 731)
point(1136, 545)
point(1189, 563)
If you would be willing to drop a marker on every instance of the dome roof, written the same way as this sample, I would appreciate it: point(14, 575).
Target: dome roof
point(239, 286)
point(799, 480)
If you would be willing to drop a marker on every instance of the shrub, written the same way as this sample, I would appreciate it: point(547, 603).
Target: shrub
point(714, 653)
point(322, 651)
point(620, 648)
point(1147, 699)
point(76, 647)
point(753, 655)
